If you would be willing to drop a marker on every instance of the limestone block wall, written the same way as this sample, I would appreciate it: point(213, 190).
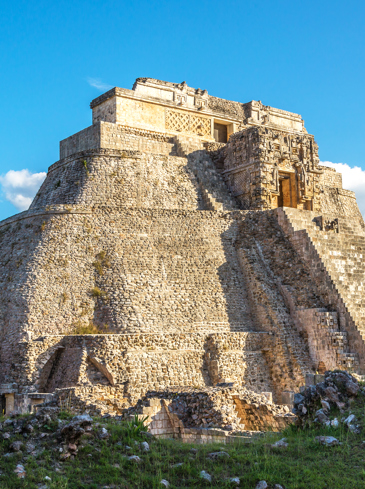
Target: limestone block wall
point(107, 135)
point(330, 177)
point(340, 202)
point(88, 138)
point(106, 111)
point(334, 199)
point(135, 364)
point(286, 352)
point(270, 262)
point(136, 270)
point(328, 345)
point(122, 178)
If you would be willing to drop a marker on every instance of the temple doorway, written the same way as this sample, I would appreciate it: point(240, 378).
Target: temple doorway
point(2, 404)
point(220, 133)
point(287, 190)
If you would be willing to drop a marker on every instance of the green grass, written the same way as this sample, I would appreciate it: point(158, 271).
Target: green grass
point(303, 465)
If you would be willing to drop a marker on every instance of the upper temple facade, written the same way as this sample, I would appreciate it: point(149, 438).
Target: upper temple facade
point(271, 161)
point(180, 240)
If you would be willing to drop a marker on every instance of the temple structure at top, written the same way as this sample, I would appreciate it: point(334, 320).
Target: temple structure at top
point(270, 160)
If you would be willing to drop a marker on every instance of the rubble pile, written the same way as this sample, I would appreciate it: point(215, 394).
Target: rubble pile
point(324, 402)
point(44, 430)
point(228, 407)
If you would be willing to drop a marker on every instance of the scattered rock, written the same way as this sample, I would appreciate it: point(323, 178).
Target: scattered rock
point(218, 455)
point(261, 485)
point(280, 443)
point(278, 486)
point(6, 436)
point(82, 419)
point(29, 447)
point(72, 447)
point(235, 481)
point(75, 429)
point(175, 466)
point(145, 446)
point(298, 398)
point(16, 446)
point(352, 388)
point(135, 458)
point(65, 456)
point(350, 419)
point(28, 428)
point(320, 417)
point(337, 391)
point(194, 451)
point(165, 483)
point(20, 471)
point(47, 478)
point(327, 440)
point(204, 475)
point(147, 434)
point(334, 423)
point(325, 405)
point(9, 455)
point(103, 433)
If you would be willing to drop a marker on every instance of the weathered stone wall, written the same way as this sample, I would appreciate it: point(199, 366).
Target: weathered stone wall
point(134, 270)
point(229, 407)
point(123, 178)
point(116, 136)
point(140, 362)
point(340, 202)
point(330, 177)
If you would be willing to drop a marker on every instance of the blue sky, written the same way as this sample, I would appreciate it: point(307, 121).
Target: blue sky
point(306, 57)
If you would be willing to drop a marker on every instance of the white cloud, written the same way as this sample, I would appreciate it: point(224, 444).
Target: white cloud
point(353, 178)
point(97, 83)
point(21, 186)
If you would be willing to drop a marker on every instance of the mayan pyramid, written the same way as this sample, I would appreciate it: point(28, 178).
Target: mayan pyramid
point(181, 240)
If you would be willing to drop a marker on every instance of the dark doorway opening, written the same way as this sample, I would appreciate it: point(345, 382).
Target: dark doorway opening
point(220, 133)
point(2, 404)
point(284, 199)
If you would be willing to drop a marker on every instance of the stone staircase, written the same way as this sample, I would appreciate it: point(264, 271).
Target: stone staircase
point(342, 254)
point(214, 191)
point(279, 277)
point(186, 145)
point(334, 248)
point(331, 340)
point(263, 252)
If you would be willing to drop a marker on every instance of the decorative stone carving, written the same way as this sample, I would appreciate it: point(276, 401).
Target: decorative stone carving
point(273, 158)
point(327, 224)
point(187, 123)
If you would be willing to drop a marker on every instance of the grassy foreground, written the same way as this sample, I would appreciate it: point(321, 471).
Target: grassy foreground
point(102, 463)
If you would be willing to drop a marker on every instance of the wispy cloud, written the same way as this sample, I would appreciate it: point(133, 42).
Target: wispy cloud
point(97, 83)
point(353, 178)
point(19, 187)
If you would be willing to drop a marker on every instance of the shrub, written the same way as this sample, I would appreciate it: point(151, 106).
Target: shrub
point(90, 328)
point(96, 292)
